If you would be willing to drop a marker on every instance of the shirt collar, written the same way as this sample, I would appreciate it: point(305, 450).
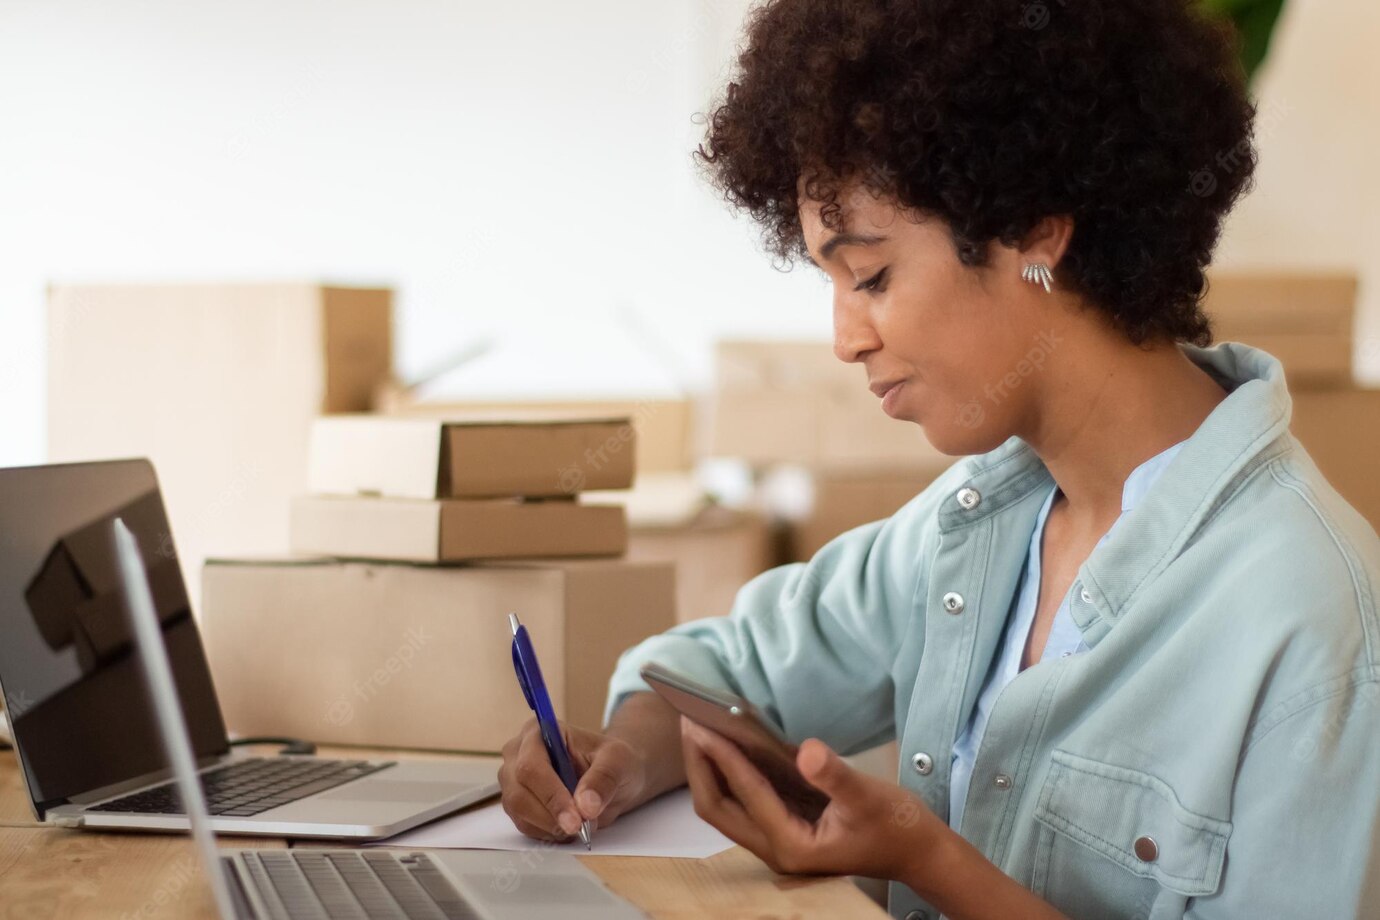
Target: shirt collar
point(1240, 433)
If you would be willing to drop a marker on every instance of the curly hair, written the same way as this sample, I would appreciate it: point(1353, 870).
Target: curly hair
point(1130, 116)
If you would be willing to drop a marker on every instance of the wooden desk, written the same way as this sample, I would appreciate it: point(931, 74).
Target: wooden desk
point(60, 874)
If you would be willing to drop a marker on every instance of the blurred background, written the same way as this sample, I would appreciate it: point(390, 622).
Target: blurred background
point(220, 221)
point(519, 180)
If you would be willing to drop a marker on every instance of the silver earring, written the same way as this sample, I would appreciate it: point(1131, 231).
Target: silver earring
point(1038, 273)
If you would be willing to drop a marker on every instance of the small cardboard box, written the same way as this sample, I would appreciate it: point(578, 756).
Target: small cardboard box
point(454, 530)
point(431, 458)
point(217, 384)
point(1341, 431)
point(419, 656)
point(795, 402)
point(1305, 320)
point(666, 435)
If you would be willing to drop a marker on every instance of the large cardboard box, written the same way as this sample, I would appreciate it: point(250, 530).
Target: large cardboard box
point(666, 429)
point(218, 385)
point(847, 499)
point(454, 530)
point(426, 458)
point(419, 656)
point(1341, 431)
point(1306, 320)
point(794, 402)
point(715, 553)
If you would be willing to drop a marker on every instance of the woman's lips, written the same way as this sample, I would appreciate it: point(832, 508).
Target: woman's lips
point(891, 396)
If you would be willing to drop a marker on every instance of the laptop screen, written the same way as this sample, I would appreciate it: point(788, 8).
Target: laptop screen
point(78, 705)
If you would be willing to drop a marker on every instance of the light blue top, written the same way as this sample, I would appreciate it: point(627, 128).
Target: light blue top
point(1213, 755)
point(1065, 638)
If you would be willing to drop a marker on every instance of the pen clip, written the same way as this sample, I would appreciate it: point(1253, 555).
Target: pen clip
point(521, 670)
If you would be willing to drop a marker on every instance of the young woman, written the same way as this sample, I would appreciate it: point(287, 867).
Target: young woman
point(1129, 645)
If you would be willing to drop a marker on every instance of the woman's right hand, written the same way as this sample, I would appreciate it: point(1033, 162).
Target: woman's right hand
point(612, 780)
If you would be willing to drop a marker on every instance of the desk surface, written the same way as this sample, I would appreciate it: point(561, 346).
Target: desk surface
point(51, 872)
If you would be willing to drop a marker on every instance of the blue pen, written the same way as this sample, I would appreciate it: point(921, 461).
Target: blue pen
point(534, 688)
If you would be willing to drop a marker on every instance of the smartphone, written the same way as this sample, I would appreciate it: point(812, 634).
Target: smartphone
point(740, 722)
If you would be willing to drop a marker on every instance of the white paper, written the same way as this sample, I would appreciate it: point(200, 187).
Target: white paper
point(665, 826)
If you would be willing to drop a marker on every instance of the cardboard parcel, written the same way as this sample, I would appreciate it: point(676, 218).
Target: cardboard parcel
point(419, 656)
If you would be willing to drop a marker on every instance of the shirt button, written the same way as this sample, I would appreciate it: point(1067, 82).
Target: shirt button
point(953, 602)
point(923, 763)
point(1002, 781)
point(1147, 850)
point(1083, 593)
point(968, 498)
point(1065, 654)
point(917, 915)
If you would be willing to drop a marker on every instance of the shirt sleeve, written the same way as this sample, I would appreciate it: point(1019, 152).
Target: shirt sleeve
point(1305, 839)
point(811, 644)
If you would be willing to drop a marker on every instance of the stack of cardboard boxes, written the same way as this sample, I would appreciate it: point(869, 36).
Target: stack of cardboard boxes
point(671, 518)
point(420, 537)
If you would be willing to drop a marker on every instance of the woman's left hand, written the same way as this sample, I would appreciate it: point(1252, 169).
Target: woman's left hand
point(871, 827)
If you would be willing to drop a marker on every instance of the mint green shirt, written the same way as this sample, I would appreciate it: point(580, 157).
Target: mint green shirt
point(1216, 751)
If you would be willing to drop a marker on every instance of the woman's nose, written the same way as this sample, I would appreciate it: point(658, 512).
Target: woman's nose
point(854, 334)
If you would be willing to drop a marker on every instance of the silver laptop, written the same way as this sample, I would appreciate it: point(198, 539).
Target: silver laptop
point(301, 884)
point(80, 713)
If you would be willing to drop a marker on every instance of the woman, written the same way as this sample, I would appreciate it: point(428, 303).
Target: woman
point(1129, 644)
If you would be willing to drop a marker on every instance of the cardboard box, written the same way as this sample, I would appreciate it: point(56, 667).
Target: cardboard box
point(714, 554)
point(1341, 431)
point(218, 385)
point(846, 499)
point(426, 458)
point(1306, 320)
point(794, 402)
point(418, 656)
point(665, 429)
point(454, 530)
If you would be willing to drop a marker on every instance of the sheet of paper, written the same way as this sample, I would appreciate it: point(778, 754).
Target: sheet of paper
point(666, 826)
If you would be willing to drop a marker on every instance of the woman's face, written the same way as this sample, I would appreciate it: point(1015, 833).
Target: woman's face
point(957, 350)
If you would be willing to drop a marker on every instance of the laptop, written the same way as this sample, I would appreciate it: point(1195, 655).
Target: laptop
point(81, 718)
point(299, 884)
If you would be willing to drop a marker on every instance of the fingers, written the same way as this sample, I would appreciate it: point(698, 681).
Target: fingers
point(533, 795)
point(828, 772)
point(788, 836)
point(605, 782)
point(713, 804)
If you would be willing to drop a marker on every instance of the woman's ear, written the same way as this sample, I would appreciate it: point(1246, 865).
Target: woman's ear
point(1047, 241)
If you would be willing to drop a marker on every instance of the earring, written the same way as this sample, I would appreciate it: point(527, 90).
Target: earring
point(1038, 273)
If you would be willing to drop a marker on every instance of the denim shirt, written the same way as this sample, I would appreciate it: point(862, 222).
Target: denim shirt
point(1214, 754)
point(1065, 638)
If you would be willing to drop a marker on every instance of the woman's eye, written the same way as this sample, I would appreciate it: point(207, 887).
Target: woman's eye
point(872, 284)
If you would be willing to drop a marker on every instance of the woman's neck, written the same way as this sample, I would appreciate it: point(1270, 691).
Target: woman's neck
point(1108, 406)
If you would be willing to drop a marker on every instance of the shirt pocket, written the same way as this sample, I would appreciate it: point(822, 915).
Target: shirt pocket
point(1115, 842)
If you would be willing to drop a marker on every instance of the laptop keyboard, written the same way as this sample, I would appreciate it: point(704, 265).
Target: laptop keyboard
point(320, 884)
point(247, 787)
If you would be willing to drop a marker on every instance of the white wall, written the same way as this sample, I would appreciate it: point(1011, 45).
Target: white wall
point(519, 172)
